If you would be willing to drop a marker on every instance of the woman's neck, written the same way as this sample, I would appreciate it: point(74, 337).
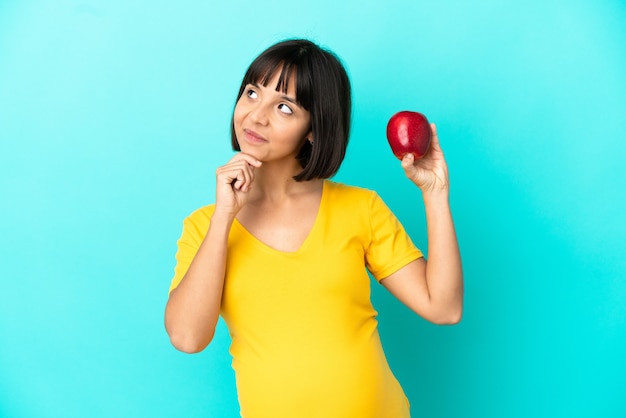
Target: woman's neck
point(275, 184)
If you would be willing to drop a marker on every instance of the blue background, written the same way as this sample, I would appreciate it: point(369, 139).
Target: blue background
point(114, 115)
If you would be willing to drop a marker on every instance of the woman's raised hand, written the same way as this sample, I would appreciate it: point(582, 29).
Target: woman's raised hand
point(430, 173)
point(233, 182)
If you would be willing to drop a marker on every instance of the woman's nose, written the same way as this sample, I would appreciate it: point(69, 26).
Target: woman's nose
point(259, 113)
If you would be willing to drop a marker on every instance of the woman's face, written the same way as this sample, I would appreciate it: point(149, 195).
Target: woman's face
point(269, 124)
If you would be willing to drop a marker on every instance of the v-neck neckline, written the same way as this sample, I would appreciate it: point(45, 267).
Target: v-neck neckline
point(305, 242)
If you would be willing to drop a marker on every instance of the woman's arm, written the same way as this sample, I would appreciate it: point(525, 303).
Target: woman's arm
point(193, 307)
point(434, 288)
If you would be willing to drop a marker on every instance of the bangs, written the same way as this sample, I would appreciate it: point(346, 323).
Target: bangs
point(264, 69)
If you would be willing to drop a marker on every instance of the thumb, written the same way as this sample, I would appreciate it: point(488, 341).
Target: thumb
point(407, 163)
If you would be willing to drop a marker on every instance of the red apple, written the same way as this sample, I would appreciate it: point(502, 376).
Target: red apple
point(409, 132)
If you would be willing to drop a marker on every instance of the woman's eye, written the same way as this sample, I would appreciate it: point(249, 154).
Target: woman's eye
point(251, 94)
point(285, 109)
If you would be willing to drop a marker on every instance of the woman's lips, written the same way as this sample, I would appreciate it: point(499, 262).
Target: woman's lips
point(253, 137)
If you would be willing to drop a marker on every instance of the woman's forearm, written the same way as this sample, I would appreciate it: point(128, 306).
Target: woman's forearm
point(444, 273)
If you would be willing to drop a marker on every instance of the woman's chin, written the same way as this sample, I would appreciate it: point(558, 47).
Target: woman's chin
point(256, 153)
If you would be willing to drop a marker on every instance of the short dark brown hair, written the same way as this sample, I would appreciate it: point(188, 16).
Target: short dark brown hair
point(322, 88)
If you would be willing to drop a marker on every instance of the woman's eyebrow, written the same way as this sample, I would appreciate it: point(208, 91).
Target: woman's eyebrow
point(290, 99)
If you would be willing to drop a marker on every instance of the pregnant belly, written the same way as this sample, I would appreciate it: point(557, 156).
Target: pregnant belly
point(340, 381)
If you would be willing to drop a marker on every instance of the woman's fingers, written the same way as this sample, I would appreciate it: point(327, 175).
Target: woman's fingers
point(234, 180)
point(243, 178)
point(235, 174)
point(429, 172)
point(242, 170)
point(434, 141)
point(248, 158)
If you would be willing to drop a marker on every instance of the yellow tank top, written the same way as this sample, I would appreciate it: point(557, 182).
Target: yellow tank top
point(304, 332)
